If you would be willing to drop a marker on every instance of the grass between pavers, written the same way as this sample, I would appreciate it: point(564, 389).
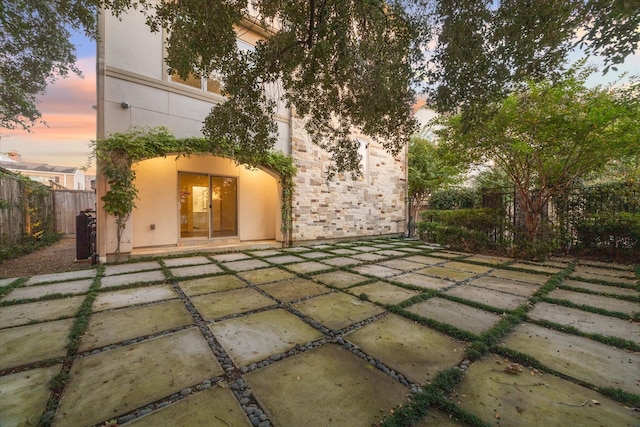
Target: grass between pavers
point(632, 298)
point(78, 329)
point(590, 309)
point(42, 298)
point(434, 395)
point(4, 290)
point(608, 282)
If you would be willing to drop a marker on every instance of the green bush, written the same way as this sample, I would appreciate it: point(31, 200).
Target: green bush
point(619, 232)
point(468, 230)
point(455, 198)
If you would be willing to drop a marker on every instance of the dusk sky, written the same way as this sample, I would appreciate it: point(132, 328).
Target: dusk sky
point(67, 110)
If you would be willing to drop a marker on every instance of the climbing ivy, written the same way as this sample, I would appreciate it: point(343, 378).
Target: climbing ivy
point(116, 155)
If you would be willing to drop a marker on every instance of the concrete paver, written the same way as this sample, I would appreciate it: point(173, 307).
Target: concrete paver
point(603, 271)
point(294, 289)
point(368, 257)
point(6, 282)
point(326, 386)
point(471, 268)
point(29, 292)
point(417, 352)
point(577, 357)
point(221, 304)
point(489, 297)
point(598, 301)
point(183, 261)
point(111, 269)
point(117, 381)
point(536, 279)
point(499, 398)
point(422, 281)
point(61, 277)
point(459, 315)
point(284, 259)
point(383, 293)
point(341, 261)
point(265, 275)
point(116, 326)
point(605, 289)
point(600, 276)
point(585, 321)
point(27, 344)
point(126, 297)
point(402, 264)
point(307, 267)
point(214, 407)
point(130, 279)
point(207, 285)
point(314, 255)
point(196, 270)
point(21, 314)
point(537, 267)
point(377, 270)
point(340, 279)
point(257, 336)
point(446, 273)
point(24, 396)
point(504, 285)
point(246, 264)
point(337, 310)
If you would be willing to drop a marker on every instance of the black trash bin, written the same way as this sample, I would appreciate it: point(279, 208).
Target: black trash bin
point(85, 235)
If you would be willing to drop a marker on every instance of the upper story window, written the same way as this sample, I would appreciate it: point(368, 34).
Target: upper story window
point(212, 83)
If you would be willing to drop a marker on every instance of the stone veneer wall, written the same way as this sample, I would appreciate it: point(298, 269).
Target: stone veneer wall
point(345, 208)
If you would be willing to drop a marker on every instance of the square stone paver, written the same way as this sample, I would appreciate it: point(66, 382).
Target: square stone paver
point(295, 289)
point(605, 289)
point(368, 257)
point(247, 264)
point(111, 269)
point(384, 293)
point(343, 251)
point(341, 261)
point(585, 321)
point(365, 248)
point(446, 273)
point(236, 256)
point(470, 268)
point(33, 343)
point(266, 253)
point(221, 304)
point(598, 301)
point(340, 279)
point(126, 297)
point(377, 270)
point(25, 395)
point(215, 407)
point(326, 386)
point(61, 277)
point(6, 282)
point(109, 327)
point(610, 272)
point(536, 279)
point(422, 281)
point(314, 255)
point(602, 277)
point(256, 337)
point(266, 275)
point(33, 292)
point(307, 267)
point(134, 375)
point(502, 399)
point(296, 249)
point(192, 260)
point(410, 250)
point(427, 260)
point(284, 259)
point(132, 278)
point(338, 310)
point(488, 296)
point(21, 314)
point(402, 264)
point(537, 267)
point(417, 352)
point(459, 315)
point(196, 270)
point(207, 285)
point(577, 357)
point(503, 285)
point(391, 252)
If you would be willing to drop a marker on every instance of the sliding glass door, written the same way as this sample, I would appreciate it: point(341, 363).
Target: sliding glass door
point(208, 205)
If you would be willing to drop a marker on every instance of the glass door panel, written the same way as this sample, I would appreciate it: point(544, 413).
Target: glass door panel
point(194, 205)
point(224, 214)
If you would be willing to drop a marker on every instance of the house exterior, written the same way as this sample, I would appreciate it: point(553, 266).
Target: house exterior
point(208, 200)
point(56, 177)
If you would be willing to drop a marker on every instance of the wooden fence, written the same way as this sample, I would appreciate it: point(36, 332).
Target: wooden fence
point(67, 204)
point(29, 209)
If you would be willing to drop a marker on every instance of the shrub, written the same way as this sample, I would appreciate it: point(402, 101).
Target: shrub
point(619, 232)
point(463, 229)
point(455, 198)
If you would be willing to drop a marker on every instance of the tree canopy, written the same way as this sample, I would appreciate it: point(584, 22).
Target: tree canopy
point(547, 135)
point(344, 65)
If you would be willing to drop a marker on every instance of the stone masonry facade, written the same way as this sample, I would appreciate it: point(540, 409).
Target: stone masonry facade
point(343, 208)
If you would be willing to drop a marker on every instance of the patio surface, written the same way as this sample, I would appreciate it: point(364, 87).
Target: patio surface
point(346, 334)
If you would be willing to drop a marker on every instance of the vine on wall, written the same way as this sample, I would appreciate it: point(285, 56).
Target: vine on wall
point(117, 154)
